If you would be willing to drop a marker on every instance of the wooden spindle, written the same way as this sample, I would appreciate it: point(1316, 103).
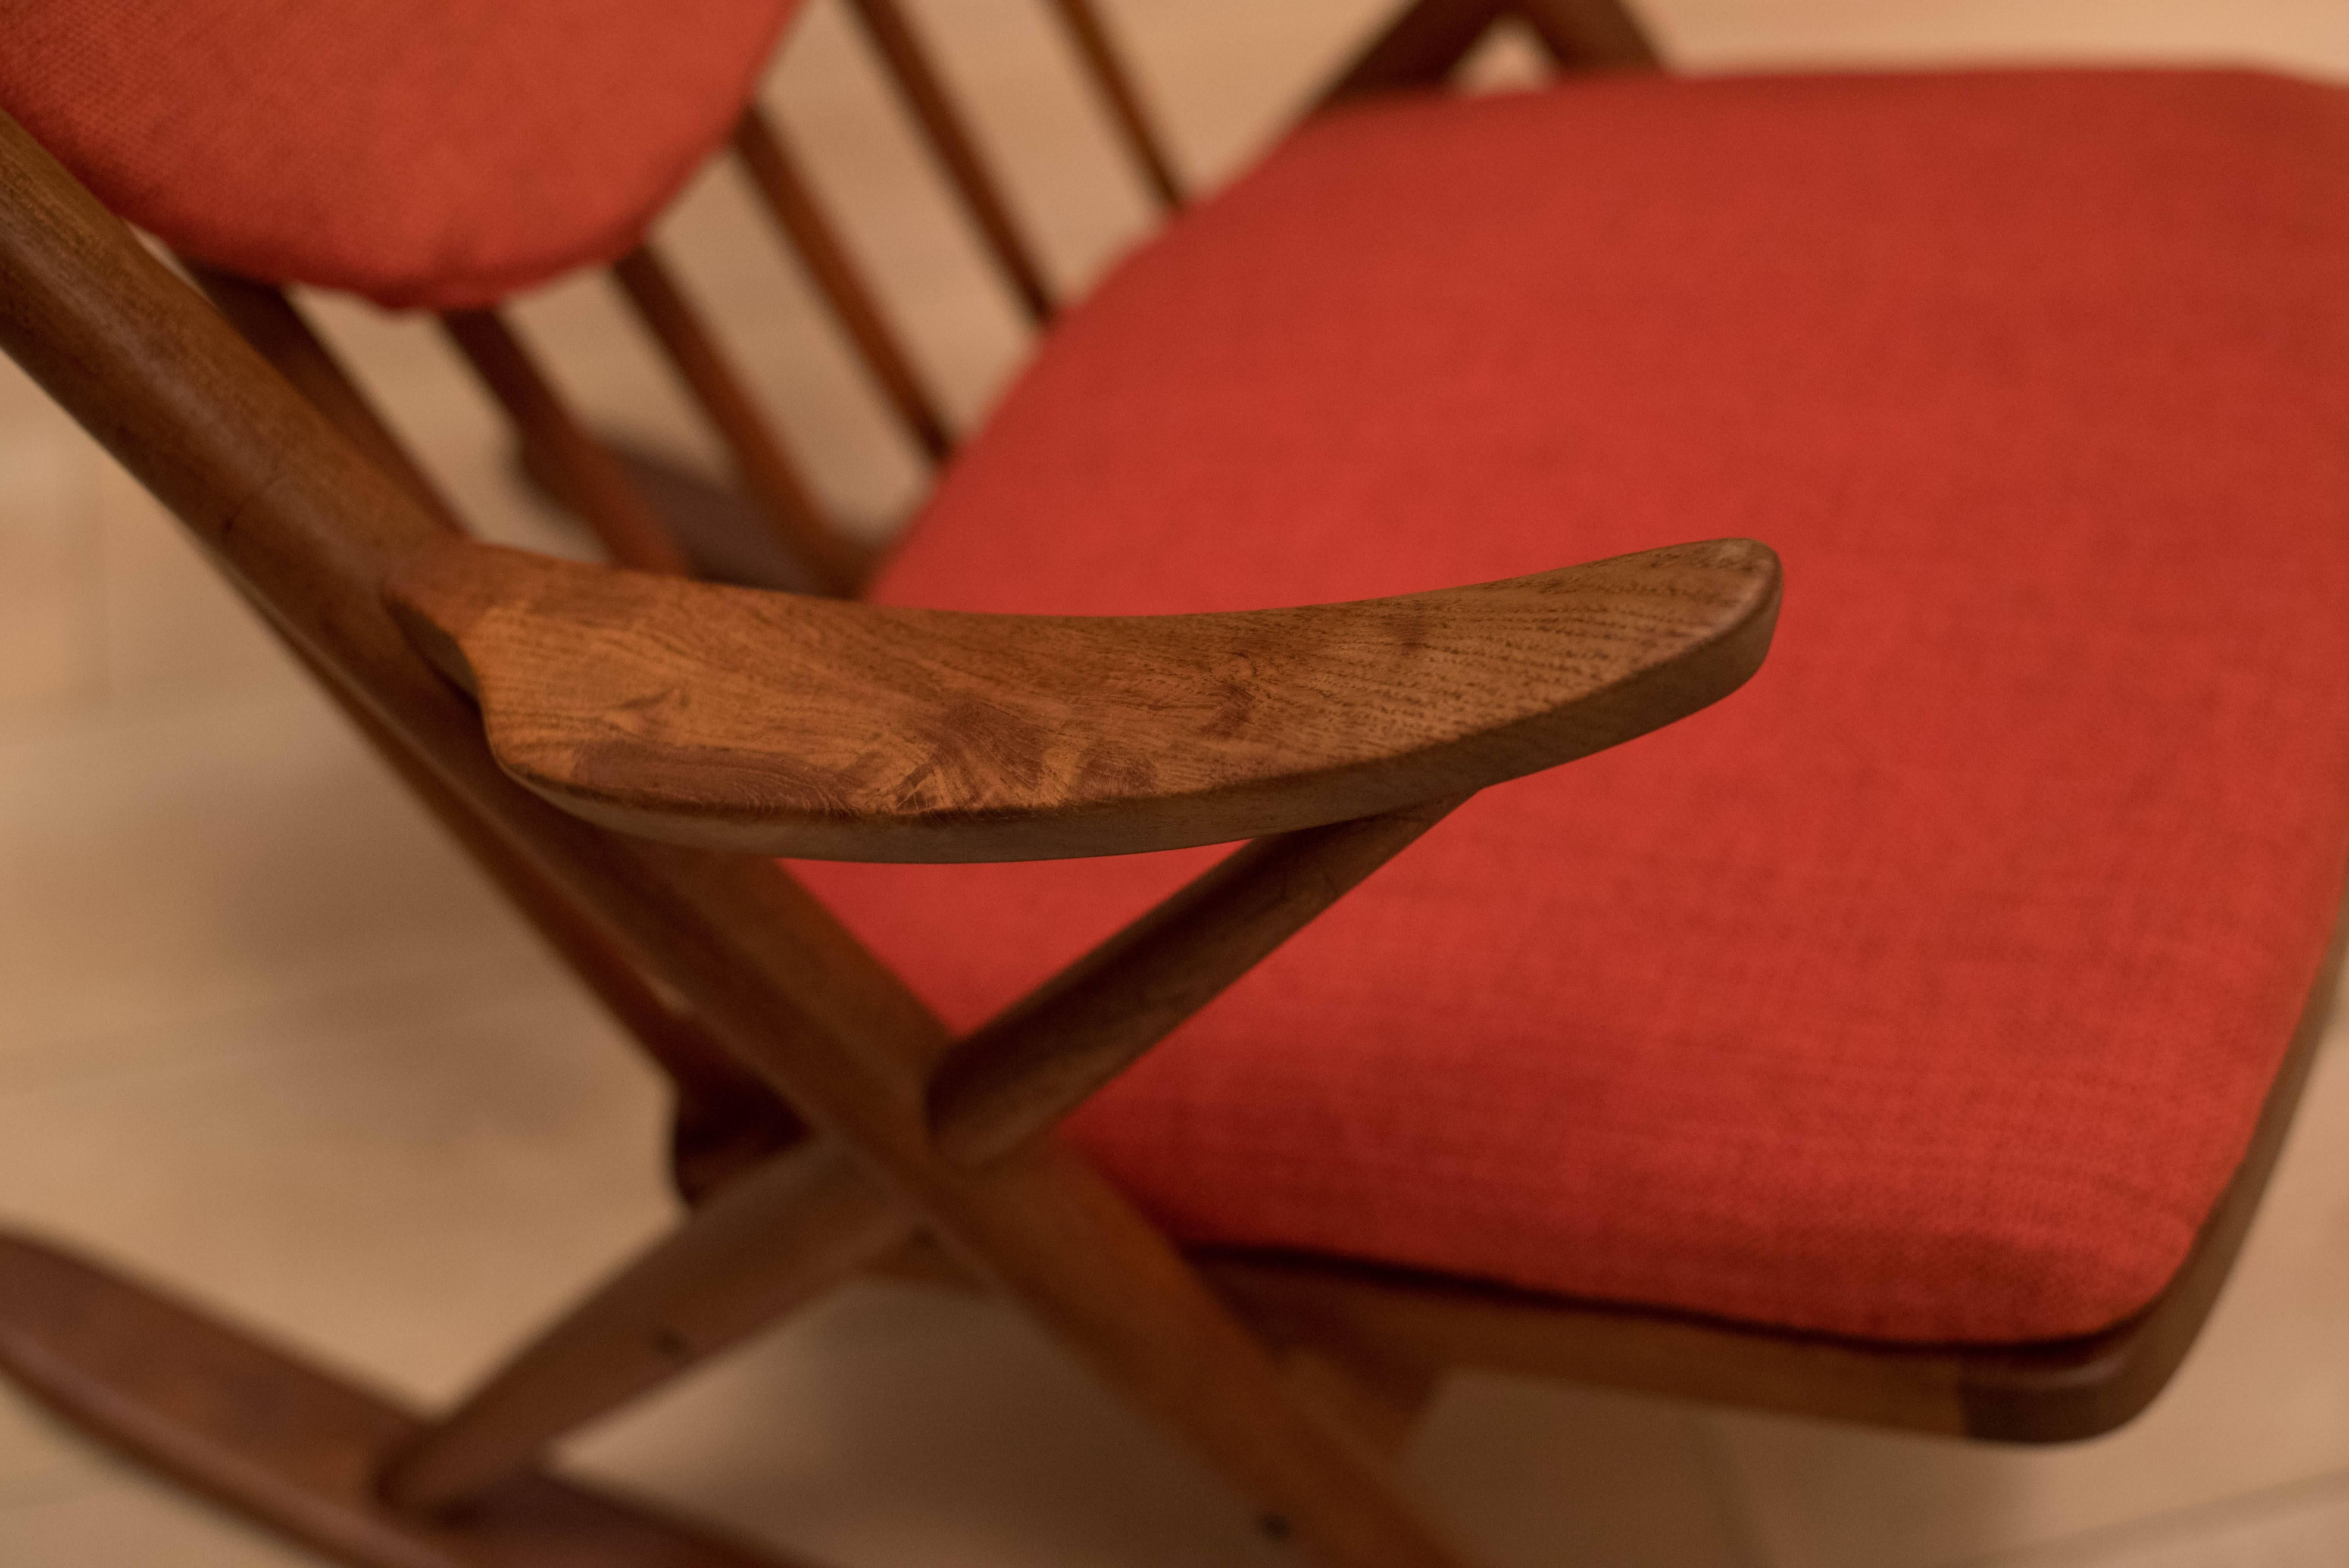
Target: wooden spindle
point(792, 204)
point(1422, 46)
point(1417, 49)
point(584, 475)
point(839, 564)
point(1591, 35)
point(1116, 85)
point(943, 127)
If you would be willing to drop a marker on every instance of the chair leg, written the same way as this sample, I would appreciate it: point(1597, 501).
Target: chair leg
point(777, 979)
point(1382, 1406)
point(1379, 1403)
point(761, 1245)
point(770, 1240)
point(1108, 1284)
point(289, 1445)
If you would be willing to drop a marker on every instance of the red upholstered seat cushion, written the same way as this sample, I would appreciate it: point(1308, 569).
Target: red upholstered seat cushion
point(1925, 989)
point(424, 153)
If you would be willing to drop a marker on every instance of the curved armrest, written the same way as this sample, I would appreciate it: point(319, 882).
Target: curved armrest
point(741, 719)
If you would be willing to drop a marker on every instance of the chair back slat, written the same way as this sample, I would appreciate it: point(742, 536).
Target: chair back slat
point(1423, 44)
point(1417, 49)
point(1589, 34)
point(942, 126)
point(582, 471)
point(1116, 85)
point(784, 191)
point(838, 564)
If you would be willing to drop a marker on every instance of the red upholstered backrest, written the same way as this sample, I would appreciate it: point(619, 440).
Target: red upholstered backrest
point(423, 152)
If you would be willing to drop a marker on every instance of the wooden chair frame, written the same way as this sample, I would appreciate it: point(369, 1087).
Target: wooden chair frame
point(827, 1122)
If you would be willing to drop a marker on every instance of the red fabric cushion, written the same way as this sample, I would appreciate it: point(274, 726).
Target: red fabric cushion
point(428, 152)
point(1927, 988)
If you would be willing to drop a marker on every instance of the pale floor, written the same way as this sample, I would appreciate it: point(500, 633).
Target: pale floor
point(265, 1038)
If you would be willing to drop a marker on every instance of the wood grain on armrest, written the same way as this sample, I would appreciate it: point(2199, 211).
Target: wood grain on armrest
point(740, 720)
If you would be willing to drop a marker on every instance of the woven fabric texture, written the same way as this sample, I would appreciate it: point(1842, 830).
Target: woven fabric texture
point(440, 153)
point(1928, 988)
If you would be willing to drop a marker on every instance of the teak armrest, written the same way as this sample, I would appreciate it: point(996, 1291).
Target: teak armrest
point(742, 720)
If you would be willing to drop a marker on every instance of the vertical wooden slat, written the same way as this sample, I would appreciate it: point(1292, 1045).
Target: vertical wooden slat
point(1591, 35)
point(839, 564)
point(792, 205)
point(1116, 85)
point(587, 477)
point(942, 126)
point(1418, 48)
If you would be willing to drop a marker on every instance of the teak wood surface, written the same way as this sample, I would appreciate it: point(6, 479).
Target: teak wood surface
point(827, 1121)
point(781, 725)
